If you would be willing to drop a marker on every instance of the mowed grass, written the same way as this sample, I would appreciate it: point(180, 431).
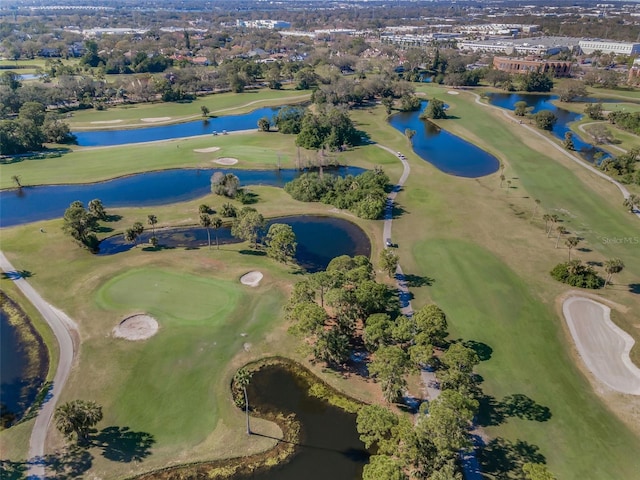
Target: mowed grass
point(218, 104)
point(253, 150)
point(166, 389)
point(487, 302)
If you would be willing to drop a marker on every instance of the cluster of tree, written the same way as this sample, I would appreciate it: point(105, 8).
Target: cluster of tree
point(32, 127)
point(248, 225)
point(570, 90)
point(327, 307)
point(208, 221)
point(288, 120)
point(331, 128)
point(81, 223)
point(623, 166)
point(435, 109)
point(629, 121)
point(364, 194)
point(545, 119)
point(226, 185)
point(577, 274)
point(133, 233)
point(429, 446)
point(594, 111)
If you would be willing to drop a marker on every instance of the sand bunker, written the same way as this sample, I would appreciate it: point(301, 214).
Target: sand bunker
point(251, 279)
point(107, 121)
point(226, 161)
point(155, 119)
point(206, 150)
point(603, 346)
point(453, 92)
point(136, 327)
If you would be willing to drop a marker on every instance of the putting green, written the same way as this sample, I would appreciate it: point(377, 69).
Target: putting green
point(173, 298)
point(487, 302)
point(164, 385)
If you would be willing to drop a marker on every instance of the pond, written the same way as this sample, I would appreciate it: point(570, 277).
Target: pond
point(32, 204)
point(565, 117)
point(20, 376)
point(329, 446)
point(230, 123)
point(320, 239)
point(445, 151)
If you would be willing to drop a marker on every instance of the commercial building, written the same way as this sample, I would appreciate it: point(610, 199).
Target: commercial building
point(268, 24)
point(522, 46)
point(607, 46)
point(514, 65)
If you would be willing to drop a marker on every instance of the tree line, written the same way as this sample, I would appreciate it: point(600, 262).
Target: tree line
point(365, 195)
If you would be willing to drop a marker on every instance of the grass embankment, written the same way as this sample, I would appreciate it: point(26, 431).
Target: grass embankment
point(218, 104)
point(489, 262)
point(253, 150)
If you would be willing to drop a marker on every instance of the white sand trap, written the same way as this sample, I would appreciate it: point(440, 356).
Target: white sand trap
point(107, 121)
point(136, 327)
point(251, 279)
point(206, 150)
point(603, 346)
point(226, 161)
point(453, 92)
point(155, 119)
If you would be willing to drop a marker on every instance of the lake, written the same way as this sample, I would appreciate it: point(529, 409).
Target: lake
point(565, 117)
point(445, 151)
point(32, 204)
point(230, 123)
point(320, 239)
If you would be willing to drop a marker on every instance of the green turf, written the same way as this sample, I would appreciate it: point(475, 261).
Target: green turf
point(488, 303)
point(169, 383)
point(218, 104)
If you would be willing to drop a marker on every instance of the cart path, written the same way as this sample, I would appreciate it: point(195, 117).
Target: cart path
point(64, 329)
point(401, 282)
point(592, 169)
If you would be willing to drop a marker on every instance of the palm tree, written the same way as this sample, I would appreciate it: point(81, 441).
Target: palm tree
point(138, 228)
point(508, 186)
point(571, 243)
point(77, 416)
point(152, 220)
point(216, 223)
point(502, 178)
point(611, 266)
point(16, 180)
point(560, 229)
point(547, 218)
point(205, 221)
point(242, 379)
point(554, 220)
point(130, 236)
point(535, 209)
point(631, 202)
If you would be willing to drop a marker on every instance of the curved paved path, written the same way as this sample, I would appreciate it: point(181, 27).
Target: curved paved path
point(581, 128)
point(592, 169)
point(63, 328)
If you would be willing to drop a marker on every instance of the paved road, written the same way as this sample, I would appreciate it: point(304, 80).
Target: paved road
point(579, 161)
point(63, 328)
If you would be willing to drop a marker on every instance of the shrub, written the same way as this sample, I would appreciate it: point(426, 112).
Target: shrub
point(577, 274)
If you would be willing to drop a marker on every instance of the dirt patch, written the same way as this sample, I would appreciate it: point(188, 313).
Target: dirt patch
point(251, 279)
point(136, 327)
point(155, 119)
point(206, 150)
point(226, 161)
point(106, 121)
